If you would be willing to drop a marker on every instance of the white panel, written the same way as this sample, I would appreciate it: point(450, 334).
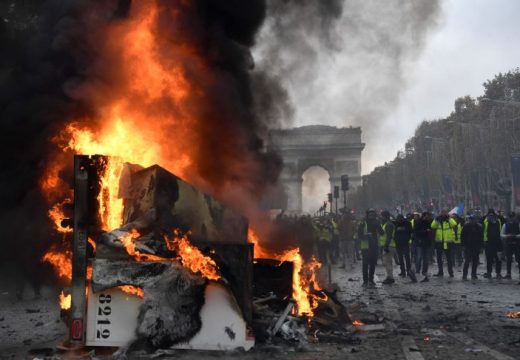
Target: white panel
point(223, 327)
point(111, 318)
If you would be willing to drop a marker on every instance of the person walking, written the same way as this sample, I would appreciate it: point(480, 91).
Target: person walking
point(511, 235)
point(445, 232)
point(472, 239)
point(387, 243)
point(423, 238)
point(403, 235)
point(492, 244)
point(369, 231)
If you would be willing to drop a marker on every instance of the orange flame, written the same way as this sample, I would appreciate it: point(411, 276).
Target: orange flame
point(192, 258)
point(61, 262)
point(128, 241)
point(189, 255)
point(358, 323)
point(304, 274)
point(92, 243)
point(513, 314)
point(110, 204)
point(259, 251)
point(132, 290)
point(56, 215)
point(299, 293)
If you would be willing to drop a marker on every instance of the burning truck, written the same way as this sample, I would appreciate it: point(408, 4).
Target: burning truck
point(154, 261)
point(146, 256)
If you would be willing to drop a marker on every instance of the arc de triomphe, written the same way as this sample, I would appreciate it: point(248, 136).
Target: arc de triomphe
point(337, 150)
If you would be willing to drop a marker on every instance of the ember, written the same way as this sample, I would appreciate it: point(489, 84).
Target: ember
point(132, 290)
point(513, 314)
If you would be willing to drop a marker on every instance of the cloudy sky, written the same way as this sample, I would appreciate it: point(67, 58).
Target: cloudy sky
point(395, 66)
point(475, 39)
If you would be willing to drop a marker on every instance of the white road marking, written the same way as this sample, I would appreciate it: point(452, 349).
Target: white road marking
point(466, 340)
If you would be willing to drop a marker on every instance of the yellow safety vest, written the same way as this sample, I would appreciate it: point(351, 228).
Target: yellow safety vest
point(324, 234)
point(444, 231)
point(364, 241)
point(382, 238)
point(458, 239)
point(335, 229)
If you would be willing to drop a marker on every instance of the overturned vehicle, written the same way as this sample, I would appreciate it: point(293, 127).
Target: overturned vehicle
point(158, 263)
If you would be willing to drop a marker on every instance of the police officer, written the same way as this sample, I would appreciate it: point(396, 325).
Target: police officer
point(511, 235)
point(423, 237)
point(472, 238)
point(368, 232)
point(403, 235)
point(492, 243)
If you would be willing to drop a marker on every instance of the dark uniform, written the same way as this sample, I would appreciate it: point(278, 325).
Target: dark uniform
point(403, 235)
point(369, 231)
point(492, 243)
point(511, 235)
point(472, 237)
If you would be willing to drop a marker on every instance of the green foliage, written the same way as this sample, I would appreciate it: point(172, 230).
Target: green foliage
point(504, 86)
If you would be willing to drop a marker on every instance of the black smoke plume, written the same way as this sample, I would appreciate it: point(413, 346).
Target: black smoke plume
point(52, 59)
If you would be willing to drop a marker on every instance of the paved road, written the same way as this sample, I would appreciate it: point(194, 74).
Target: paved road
point(443, 319)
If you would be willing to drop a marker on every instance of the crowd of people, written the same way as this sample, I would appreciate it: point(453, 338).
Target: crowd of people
point(413, 243)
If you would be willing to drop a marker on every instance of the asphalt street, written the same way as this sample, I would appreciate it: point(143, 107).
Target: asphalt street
point(442, 319)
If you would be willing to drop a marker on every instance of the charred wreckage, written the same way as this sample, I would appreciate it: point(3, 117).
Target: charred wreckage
point(181, 272)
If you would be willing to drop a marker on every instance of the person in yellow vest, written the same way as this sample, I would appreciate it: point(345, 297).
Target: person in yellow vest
point(334, 246)
point(457, 244)
point(387, 243)
point(445, 234)
point(324, 238)
point(369, 231)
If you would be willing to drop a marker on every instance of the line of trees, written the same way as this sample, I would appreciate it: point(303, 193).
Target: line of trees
point(465, 157)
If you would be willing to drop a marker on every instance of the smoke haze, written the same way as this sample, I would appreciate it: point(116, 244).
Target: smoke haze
point(345, 63)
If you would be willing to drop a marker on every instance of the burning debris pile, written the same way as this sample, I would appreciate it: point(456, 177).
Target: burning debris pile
point(277, 313)
point(156, 261)
point(153, 82)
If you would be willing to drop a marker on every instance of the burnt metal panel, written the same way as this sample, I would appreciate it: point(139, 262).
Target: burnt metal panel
point(181, 206)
